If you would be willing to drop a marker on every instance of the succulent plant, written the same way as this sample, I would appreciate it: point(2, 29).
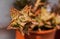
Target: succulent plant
point(43, 21)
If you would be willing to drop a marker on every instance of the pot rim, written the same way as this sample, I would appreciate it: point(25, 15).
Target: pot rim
point(43, 31)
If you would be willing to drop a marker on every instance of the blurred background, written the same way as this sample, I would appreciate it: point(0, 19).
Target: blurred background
point(5, 19)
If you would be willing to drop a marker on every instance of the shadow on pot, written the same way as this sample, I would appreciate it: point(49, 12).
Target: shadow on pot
point(50, 34)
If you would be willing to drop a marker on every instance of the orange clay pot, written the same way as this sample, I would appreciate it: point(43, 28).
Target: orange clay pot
point(49, 34)
point(19, 35)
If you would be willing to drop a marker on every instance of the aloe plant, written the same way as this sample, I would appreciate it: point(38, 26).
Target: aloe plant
point(47, 19)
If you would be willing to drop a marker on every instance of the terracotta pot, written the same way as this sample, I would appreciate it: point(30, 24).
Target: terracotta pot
point(49, 34)
point(19, 35)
